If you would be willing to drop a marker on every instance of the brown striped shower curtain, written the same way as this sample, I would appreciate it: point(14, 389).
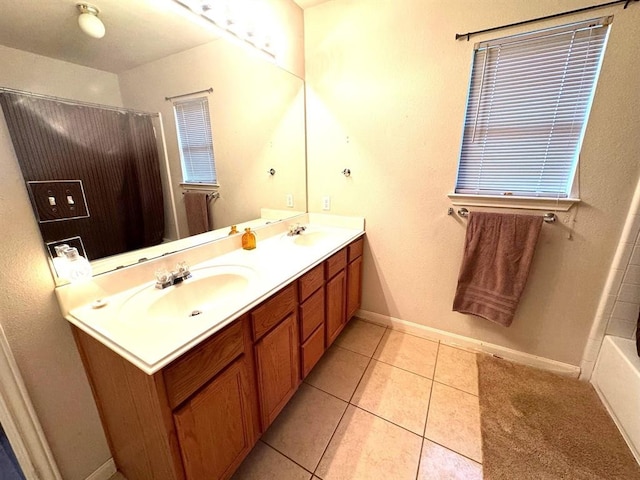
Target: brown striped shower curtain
point(115, 155)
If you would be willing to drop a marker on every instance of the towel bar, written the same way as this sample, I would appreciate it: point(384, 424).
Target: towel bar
point(210, 196)
point(548, 217)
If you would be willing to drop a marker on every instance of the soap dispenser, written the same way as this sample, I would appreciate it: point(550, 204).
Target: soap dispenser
point(78, 268)
point(248, 239)
point(233, 230)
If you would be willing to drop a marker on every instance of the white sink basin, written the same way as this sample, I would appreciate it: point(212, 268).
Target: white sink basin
point(308, 238)
point(208, 289)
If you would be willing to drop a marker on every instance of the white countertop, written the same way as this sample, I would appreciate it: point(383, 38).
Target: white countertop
point(151, 343)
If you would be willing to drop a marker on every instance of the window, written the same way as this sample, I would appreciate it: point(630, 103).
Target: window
point(195, 141)
point(528, 104)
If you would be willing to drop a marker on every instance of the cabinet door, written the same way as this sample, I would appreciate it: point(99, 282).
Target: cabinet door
point(311, 314)
point(277, 367)
point(335, 311)
point(354, 287)
point(216, 427)
point(312, 350)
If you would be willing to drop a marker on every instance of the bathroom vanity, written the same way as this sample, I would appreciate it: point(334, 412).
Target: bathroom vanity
point(194, 409)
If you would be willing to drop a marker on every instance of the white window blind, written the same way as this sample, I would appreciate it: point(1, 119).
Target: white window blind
point(529, 99)
point(195, 141)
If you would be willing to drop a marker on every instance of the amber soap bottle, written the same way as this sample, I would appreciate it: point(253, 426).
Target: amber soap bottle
point(248, 239)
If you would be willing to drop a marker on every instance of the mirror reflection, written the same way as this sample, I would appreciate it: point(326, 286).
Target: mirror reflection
point(256, 112)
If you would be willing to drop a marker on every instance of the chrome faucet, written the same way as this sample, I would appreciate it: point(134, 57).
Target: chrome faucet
point(296, 229)
point(165, 278)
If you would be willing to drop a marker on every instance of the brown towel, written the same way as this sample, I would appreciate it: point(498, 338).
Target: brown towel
point(197, 206)
point(495, 265)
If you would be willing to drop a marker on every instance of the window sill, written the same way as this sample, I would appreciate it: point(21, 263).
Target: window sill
point(528, 203)
point(199, 186)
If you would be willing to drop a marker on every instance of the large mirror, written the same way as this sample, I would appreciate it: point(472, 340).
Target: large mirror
point(153, 49)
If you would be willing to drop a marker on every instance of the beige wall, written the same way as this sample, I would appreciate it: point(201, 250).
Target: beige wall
point(39, 337)
point(386, 93)
point(287, 19)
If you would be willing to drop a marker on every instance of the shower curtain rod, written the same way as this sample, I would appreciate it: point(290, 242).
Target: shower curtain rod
point(524, 22)
point(77, 102)
point(208, 90)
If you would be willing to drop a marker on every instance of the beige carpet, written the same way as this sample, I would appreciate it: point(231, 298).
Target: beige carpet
point(538, 425)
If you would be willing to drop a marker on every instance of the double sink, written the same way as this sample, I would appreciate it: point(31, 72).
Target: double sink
point(151, 327)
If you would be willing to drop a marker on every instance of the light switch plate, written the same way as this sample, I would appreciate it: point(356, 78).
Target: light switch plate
point(56, 200)
point(326, 202)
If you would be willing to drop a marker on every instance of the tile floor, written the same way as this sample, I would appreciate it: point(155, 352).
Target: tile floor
point(381, 404)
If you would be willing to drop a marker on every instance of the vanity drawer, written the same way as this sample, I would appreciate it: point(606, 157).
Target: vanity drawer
point(193, 369)
point(311, 314)
point(312, 350)
point(271, 312)
point(335, 263)
point(355, 249)
point(310, 282)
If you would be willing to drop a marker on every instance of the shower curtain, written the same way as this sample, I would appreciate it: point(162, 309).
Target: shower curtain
point(114, 154)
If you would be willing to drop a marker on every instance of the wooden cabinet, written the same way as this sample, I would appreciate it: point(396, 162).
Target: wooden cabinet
point(312, 318)
point(343, 289)
point(354, 277)
point(335, 304)
point(201, 415)
point(214, 427)
point(197, 418)
point(275, 327)
point(277, 369)
point(311, 351)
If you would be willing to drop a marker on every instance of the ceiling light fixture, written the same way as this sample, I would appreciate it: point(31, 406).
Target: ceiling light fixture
point(89, 21)
point(234, 20)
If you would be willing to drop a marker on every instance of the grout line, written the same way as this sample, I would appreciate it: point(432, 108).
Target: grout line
point(456, 388)
point(285, 456)
point(367, 367)
point(345, 410)
point(328, 393)
point(329, 442)
point(417, 336)
point(404, 369)
point(386, 420)
point(454, 451)
point(426, 417)
point(335, 345)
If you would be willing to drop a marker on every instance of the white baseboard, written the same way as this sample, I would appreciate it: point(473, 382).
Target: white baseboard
point(469, 343)
point(105, 472)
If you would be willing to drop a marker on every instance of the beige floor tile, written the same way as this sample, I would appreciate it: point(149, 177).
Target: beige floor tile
point(117, 476)
point(405, 351)
point(264, 463)
point(454, 421)
point(303, 429)
point(457, 368)
point(338, 372)
point(367, 447)
point(394, 394)
point(439, 463)
point(360, 337)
